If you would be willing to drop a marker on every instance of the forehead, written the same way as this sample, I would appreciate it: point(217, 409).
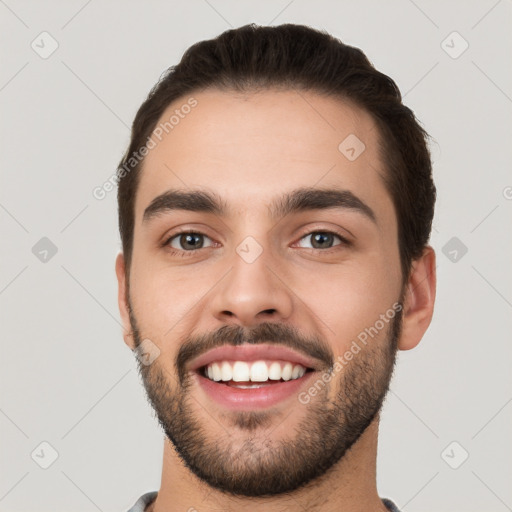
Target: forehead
point(250, 148)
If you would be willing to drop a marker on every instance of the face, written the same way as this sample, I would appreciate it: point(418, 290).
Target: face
point(266, 276)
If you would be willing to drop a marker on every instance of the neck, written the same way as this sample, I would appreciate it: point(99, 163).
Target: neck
point(350, 485)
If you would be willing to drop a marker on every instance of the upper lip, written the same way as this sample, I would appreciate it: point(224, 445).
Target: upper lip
point(253, 353)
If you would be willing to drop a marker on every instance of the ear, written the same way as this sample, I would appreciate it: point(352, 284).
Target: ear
point(419, 299)
point(122, 299)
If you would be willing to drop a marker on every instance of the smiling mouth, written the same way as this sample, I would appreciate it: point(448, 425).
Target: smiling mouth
point(252, 375)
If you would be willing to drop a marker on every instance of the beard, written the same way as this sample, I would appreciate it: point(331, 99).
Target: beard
point(255, 465)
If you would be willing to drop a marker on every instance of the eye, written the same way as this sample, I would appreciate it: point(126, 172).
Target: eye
point(323, 240)
point(188, 241)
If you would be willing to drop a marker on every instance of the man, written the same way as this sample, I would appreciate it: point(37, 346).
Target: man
point(275, 205)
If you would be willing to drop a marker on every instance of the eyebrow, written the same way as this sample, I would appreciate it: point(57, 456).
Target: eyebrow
point(299, 200)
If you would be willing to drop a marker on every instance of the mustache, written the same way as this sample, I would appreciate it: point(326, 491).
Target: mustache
point(266, 332)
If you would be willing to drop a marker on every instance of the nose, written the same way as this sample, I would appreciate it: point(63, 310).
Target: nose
point(251, 293)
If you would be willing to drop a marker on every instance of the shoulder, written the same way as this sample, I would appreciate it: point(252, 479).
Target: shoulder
point(390, 505)
point(143, 502)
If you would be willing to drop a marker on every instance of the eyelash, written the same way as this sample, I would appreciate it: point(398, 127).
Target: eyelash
point(184, 254)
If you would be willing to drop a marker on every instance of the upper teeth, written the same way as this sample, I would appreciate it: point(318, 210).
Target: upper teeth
point(257, 371)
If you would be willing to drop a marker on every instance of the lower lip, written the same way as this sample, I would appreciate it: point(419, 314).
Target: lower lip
point(248, 399)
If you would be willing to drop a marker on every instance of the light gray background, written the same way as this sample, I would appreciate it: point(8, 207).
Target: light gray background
point(66, 376)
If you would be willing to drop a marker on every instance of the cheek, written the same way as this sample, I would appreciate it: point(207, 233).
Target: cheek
point(347, 301)
point(166, 300)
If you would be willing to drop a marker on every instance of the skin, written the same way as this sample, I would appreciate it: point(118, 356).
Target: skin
point(250, 149)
